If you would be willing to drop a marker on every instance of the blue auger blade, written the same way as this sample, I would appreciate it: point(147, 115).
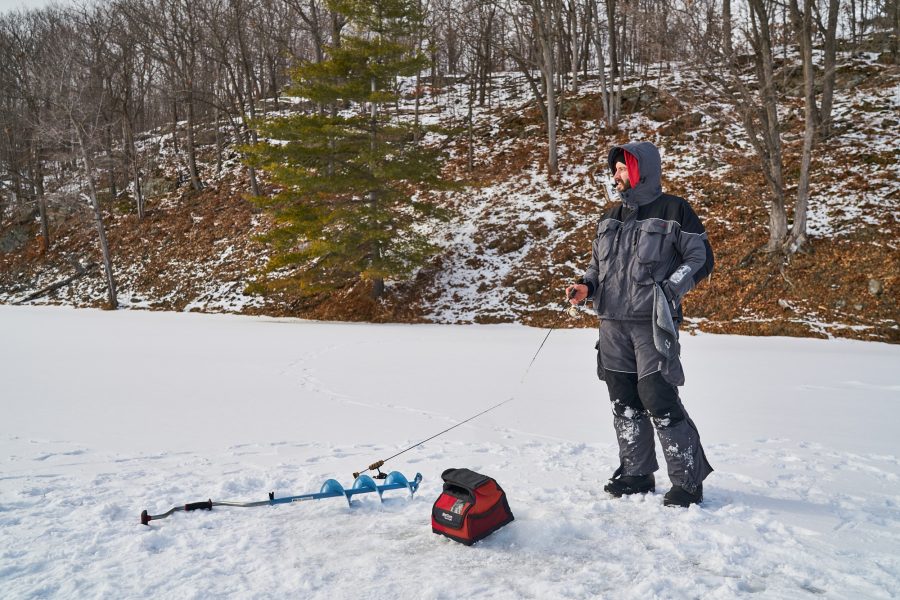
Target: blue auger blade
point(364, 484)
point(395, 480)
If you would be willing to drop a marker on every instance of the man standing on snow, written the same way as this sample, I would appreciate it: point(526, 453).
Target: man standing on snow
point(650, 250)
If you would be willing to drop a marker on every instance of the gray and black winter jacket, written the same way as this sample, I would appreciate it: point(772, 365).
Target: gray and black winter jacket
point(648, 238)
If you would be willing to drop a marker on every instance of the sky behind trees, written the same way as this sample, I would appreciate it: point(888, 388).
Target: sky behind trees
point(8, 5)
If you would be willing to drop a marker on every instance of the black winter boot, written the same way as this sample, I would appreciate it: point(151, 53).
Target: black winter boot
point(678, 496)
point(623, 485)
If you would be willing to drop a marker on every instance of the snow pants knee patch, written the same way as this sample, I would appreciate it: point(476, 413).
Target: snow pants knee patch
point(680, 440)
point(660, 398)
point(634, 430)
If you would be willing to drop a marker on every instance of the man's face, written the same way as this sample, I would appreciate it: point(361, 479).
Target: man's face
point(620, 177)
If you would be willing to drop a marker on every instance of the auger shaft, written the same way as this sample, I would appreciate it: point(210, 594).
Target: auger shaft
point(330, 489)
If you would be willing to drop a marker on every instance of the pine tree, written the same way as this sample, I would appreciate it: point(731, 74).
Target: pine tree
point(347, 210)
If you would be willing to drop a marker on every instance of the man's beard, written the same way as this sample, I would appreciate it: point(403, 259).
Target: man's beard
point(625, 185)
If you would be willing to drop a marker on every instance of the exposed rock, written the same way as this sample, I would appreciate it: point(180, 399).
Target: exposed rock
point(538, 229)
point(23, 215)
point(505, 244)
point(14, 238)
point(633, 99)
point(660, 113)
point(528, 286)
point(682, 124)
point(154, 187)
point(875, 287)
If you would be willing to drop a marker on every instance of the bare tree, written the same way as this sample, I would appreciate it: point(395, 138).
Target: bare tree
point(130, 69)
point(802, 22)
point(21, 49)
point(172, 37)
point(538, 20)
point(314, 17)
point(611, 87)
point(829, 29)
point(74, 87)
point(238, 84)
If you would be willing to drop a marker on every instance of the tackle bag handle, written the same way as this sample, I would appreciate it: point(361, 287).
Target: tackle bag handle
point(464, 478)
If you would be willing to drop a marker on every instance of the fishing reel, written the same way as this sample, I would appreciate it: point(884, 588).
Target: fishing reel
point(572, 310)
point(376, 466)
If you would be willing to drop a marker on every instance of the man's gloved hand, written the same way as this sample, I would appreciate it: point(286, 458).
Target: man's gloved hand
point(670, 294)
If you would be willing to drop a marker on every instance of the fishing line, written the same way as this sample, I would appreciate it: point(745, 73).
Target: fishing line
point(571, 311)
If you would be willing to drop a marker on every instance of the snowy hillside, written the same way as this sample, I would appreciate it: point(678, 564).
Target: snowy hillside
point(521, 235)
point(109, 413)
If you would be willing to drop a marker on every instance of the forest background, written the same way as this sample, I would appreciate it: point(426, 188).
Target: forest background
point(174, 155)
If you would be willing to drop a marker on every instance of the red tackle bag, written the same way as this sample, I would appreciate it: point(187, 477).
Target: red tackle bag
point(471, 507)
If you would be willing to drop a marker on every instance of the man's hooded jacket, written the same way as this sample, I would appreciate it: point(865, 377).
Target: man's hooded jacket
point(649, 238)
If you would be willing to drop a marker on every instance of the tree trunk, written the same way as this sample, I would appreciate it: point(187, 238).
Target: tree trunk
point(377, 288)
point(471, 149)
point(613, 46)
point(726, 30)
point(772, 154)
point(113, 190)
point(895, 39)
point(192, 155)
point(219, 141)
point(98, 218)
point(251, 102)
point(175, 126)
point(573, 39)
point(803, 26)
point(416, 134)
point(824, 117)
point(38, 176)
point(131, 157)
point(79, 273)
point(601, 65)
point(545, 39)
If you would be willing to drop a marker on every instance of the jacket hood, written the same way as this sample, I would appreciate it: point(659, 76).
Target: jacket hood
point(648, 187)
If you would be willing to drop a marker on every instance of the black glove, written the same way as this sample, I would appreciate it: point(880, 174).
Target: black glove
point(670, 295)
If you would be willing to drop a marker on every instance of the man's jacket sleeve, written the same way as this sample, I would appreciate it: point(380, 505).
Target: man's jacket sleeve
point(591, 275)
point(695, 251)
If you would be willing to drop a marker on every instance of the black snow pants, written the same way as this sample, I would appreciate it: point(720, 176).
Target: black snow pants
point(640, 394)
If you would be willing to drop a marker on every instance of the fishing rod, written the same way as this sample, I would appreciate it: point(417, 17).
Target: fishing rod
point(571, 311)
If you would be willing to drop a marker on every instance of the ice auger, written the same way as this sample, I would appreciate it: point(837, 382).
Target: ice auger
point(395, 480)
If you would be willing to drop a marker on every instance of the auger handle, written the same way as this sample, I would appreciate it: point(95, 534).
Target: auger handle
point(372, 467)
point(205, 505)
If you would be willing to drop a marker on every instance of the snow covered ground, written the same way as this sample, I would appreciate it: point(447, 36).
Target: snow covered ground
point(109, 413)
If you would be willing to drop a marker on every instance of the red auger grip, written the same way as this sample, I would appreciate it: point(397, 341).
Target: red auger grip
point(206, 505)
